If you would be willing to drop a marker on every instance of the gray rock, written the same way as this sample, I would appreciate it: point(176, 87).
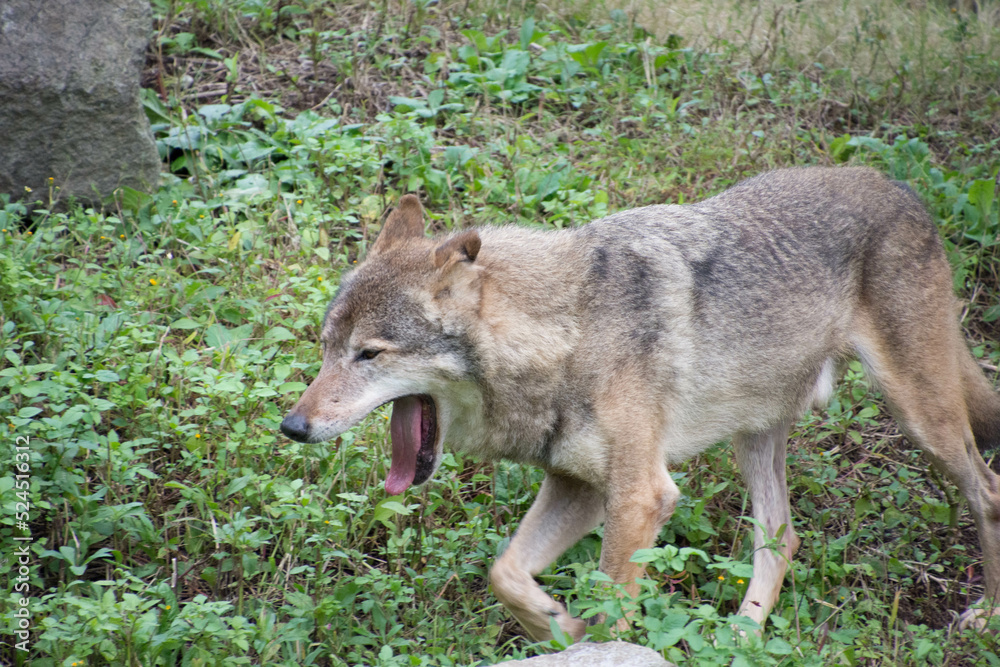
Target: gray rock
point(69, 98)
point(609, 654)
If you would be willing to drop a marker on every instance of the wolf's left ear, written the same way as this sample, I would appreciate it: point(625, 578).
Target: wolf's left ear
point(405, 222)
point(462, 247)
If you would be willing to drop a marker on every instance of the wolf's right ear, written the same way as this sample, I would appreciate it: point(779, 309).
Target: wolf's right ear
point(462, 247)
point(405, 222)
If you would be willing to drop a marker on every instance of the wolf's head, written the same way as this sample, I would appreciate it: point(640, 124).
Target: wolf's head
point(397, 331)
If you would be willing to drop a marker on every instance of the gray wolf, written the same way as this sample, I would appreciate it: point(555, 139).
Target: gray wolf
point(607, 352)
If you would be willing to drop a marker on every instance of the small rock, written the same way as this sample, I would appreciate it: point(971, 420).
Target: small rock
point(609, 654)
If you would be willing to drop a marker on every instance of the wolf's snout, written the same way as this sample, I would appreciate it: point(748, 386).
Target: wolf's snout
point(295, 427)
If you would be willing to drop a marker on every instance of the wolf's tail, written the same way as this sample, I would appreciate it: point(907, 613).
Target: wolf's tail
point(983, 405)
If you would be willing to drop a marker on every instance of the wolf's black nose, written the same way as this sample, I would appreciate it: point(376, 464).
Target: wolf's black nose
point(295, 427)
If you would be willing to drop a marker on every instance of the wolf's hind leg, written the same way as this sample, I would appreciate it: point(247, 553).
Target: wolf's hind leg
point(934, 400)
point(907, 334)
point(761, 457)
point(564, 511)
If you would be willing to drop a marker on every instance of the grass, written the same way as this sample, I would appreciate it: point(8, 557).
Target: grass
point(150, 348)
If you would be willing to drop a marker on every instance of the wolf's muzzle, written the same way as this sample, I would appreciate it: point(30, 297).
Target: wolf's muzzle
point(295, 427)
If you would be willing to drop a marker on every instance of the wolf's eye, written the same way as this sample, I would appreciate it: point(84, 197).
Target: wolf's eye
point(368, 355)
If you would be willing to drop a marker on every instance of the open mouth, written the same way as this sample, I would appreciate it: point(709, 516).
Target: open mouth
point(413, 429)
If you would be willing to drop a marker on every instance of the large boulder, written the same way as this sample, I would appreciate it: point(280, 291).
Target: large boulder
point(69, 98)
point(609, 654)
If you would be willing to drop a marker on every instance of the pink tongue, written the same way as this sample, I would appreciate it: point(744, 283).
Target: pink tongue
point(404, 429)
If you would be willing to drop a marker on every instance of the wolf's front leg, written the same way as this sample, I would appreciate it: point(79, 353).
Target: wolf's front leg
point(565, 510)
point(640, 503)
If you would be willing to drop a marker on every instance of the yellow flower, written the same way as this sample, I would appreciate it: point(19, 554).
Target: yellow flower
point(30, 233)
point(102, 238)
point(152, 281)
point(174, 202)
point(327, 522)
point(27, 189)
point(201, 216)
point(168, 607)
point(298, 201)
point(320, 279)
point(197, 435)
point(739, 581)
point(121, 236)
point(51, 179)
point(5, 231)
point(721, 578)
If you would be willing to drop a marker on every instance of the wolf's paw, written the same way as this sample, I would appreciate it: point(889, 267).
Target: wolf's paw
point(977, 618)
point(574, 627)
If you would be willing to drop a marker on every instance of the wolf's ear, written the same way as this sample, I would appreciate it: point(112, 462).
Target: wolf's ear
point(462, 247)
point(405, 222)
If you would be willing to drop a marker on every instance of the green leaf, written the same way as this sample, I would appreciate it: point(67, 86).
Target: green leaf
point(979, 215)
point(862, 506)
point(645, 556)
point(527, 33)
point(981, 195)
point(218, 335)
point(211, 53)
point(477, 38)
point(559, 638)
point(778, 646)
point(393, 507)
point(184, 323)
point(101, 404)
point(238, 484)
point(992, 313)
point(586, 54)
point(515, 63)
point(34, 388)
point(132, 199)
point(435, 98)
point(280, 333)
point(594, 52)
point(549, 184)
point(406, 104)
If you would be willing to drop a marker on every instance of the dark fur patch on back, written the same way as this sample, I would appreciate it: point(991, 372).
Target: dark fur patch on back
point(638, 281)
point(599, 267)
point(623, 288)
